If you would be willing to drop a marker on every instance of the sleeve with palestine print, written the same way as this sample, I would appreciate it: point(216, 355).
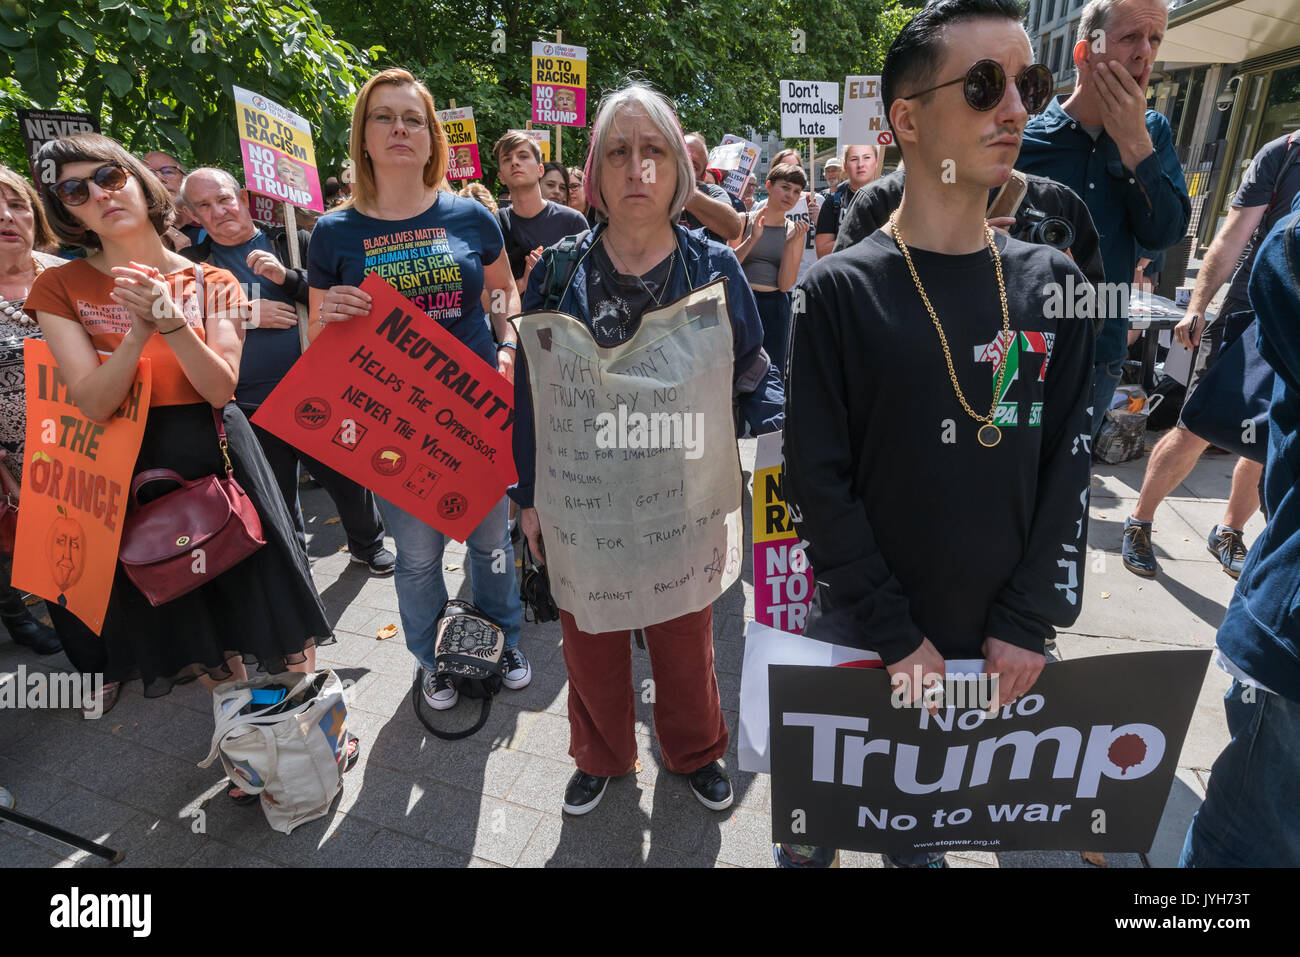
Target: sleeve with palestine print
point(914, 530)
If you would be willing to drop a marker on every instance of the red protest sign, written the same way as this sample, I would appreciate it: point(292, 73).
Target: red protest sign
point(398, 404)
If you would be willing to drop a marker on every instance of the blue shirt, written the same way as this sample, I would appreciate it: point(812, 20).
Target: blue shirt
point(1146, 207)
point(435, 260)
point(1260, 633)
point(268, 353)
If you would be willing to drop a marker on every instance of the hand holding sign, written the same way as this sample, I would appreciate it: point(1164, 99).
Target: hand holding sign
point(1014, 669)
point(925, 662)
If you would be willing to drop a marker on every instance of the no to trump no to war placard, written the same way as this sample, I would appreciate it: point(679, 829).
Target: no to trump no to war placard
point(401, 406)
point(559, 84)
point(1082, 762)
point(76, 484)
point(275, 142)
point(462, 143)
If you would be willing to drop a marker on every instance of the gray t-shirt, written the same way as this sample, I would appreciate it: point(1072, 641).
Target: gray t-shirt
point(1256, 190)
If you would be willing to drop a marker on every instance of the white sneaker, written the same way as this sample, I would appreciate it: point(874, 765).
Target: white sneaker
point(518, 671)
point(439, 691)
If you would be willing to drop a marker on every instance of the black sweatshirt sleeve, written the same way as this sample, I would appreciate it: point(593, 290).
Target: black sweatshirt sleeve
point(858, 588)
point(1046, 587)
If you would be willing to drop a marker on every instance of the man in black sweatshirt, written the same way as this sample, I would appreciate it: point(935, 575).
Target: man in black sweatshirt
point(937, 417)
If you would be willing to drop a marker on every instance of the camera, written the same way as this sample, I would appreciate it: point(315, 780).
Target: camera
point(1035, 226)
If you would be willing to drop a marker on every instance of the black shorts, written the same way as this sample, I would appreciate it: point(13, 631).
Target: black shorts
point(1223, 331)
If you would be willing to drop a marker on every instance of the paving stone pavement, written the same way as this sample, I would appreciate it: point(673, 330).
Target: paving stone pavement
point(130, 779)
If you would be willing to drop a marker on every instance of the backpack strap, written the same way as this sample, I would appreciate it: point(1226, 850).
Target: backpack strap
point(417, 697)
point(561, 263)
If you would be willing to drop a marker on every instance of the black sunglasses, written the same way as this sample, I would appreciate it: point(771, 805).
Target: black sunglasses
point(74, 192)
point(986, 82)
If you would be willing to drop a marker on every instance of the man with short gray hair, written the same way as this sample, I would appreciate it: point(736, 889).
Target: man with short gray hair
point(1103, 143)
point(256, 257)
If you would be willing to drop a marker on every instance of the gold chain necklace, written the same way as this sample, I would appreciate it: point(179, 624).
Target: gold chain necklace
point(989, 434)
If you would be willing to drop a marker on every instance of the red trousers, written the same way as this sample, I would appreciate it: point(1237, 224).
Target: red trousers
point(602, 710)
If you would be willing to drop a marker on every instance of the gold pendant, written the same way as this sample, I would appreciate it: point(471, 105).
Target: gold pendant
point(989, 435)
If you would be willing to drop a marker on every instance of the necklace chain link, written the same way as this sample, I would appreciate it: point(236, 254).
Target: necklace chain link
point(943, 340)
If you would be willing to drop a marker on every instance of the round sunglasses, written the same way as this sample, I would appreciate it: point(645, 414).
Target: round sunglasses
point(74, 192)
point(986, 82)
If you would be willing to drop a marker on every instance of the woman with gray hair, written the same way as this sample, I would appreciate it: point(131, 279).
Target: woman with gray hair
point(635, 264)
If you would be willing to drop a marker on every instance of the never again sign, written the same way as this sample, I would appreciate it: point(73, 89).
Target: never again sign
point(1083, 762)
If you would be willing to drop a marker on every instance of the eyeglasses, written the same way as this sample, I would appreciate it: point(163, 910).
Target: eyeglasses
point(74, 192)
point(412, 121)
point(168, 171)
point(986, 82)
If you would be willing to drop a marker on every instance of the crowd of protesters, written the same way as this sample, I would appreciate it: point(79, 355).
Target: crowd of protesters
point(124, 257)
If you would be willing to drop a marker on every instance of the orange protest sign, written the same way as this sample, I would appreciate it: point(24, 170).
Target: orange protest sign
point(399, 405)
point(76, 484)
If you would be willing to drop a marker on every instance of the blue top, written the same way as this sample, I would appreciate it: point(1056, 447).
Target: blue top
point(1260, 633)
point(435, 260)
point(1146, 207)
point(705, 261)
point(268, 353)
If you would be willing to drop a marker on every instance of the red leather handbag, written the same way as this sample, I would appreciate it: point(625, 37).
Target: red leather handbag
point(189, 536)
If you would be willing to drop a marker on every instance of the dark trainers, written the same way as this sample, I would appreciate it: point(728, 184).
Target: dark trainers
point(805, 855)
point(382, 562)
point(439, 691)
point(583, 792)
point(518, 671)
point(1137, 554)
point(711, 786)
point(1227, 545)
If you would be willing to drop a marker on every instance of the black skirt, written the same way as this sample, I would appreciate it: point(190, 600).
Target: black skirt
point(265, 610)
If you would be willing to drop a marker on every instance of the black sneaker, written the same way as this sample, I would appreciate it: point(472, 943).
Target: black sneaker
point(518, 672)
point(584, 792)
point(382, 562)
point(1227, 545)
point(1136, 552)
point(711, 786)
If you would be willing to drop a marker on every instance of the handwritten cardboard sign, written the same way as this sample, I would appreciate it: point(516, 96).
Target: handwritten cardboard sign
point(1083, 762)
point(75, 491)
point(559, 89)
point(637, 484)
point(401, 406)
point(864, 113)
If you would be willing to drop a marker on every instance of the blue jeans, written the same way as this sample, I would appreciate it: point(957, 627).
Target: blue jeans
point(774, 312)
point(1249, 816)
point(1105, 377)
point(421, 591)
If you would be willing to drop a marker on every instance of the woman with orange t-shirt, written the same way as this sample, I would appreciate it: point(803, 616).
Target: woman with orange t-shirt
point(132, 299)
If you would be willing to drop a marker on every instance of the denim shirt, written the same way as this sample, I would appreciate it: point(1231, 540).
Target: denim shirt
point(1147, 207)
point(705, 261)
point(1260, 633)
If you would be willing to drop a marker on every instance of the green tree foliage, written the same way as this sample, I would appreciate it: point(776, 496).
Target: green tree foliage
point(158, 73)
point(720, 60)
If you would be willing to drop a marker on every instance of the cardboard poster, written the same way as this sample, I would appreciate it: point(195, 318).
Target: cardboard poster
point(462, 143)
point(76, 487)
point(40, 126)
point(638, 485)
point(275, 142)
point(543, 140)
point(401, 406)
point(262, 208)
point(864, 120)
point(809, 108)
point(1083, 762)
point(783, 579)
point(738, 157)
point(559, 88)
